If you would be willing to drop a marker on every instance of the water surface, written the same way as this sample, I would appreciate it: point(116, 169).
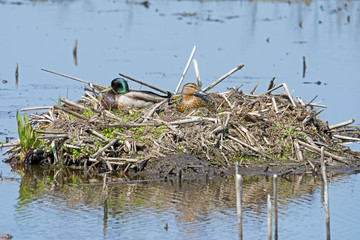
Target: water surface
point(153, 44)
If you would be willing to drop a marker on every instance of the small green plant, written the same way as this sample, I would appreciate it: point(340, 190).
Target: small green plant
point(27, 136)
point(140, 139)
point(158, 131)
point(138, 130)
point(87, 113)
point(108, 132)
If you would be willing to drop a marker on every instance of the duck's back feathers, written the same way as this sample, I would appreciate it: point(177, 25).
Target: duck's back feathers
point(133, 99)
point(146, 96)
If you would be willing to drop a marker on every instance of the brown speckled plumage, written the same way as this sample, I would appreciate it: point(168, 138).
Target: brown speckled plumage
point(192, 98)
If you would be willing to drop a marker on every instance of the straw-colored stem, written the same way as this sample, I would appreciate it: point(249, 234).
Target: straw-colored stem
point(185, 70)
point(197, 73)
point(223, 77)
point(143, 83)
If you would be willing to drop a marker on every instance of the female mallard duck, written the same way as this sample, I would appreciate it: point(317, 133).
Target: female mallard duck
point(118, 96)
point(192, 97)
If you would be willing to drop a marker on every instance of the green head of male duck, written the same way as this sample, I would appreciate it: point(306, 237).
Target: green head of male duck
point(118, 86)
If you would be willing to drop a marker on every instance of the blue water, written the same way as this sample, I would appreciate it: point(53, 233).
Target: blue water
point(153, 44)
point(191, 210)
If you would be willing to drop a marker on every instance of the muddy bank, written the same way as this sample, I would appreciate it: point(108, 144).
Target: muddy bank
point(190, 167)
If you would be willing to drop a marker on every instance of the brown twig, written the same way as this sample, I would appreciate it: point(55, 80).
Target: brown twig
point(223, 77)
point(143, 83)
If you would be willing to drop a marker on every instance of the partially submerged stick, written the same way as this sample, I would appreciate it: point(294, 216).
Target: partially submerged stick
point(275, 208)
point(269, 217)
point(16, 73)
point(142, 83)
point(304, 66)
point(75, 52)
point(326, 194)
point(238, 186)
point(185, 70)
point(223, 77)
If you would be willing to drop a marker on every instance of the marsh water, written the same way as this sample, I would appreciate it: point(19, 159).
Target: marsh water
point(152, 43)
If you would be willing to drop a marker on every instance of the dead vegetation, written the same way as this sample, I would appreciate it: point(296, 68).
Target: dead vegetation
point(253, 129)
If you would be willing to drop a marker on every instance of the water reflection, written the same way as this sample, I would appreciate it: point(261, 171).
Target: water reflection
point(189, 208)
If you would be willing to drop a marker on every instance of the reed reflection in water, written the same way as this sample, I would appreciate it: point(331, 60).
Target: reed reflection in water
point(189, 209)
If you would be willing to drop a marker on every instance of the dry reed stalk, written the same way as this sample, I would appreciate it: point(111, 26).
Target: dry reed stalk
point(248, 146)
point(75, 114)
point(10, 144)
point(113, 141)
point(298, 151)
point(99, 135)
point(289, 94)
point(35, 108)
point(53, 136)
point(197, 73)
point(185, 70)
point(275, 105)
point(54, 151)
point(153, 109)
point(92, 85)
point(271, 83)
point(143, 83)
point(343, 124)
point(338, 158)
point(273, 89)
point(223, 77)
point(129, 125)
point(254, 88)
point(346, 138)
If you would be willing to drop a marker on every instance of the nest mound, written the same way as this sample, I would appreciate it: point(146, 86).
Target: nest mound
point(265, 129)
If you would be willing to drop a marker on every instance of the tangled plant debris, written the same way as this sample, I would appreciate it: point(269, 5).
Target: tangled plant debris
point(268, 132)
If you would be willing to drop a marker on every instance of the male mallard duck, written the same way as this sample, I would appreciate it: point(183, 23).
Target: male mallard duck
point(192, 97)
point(118, 96)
